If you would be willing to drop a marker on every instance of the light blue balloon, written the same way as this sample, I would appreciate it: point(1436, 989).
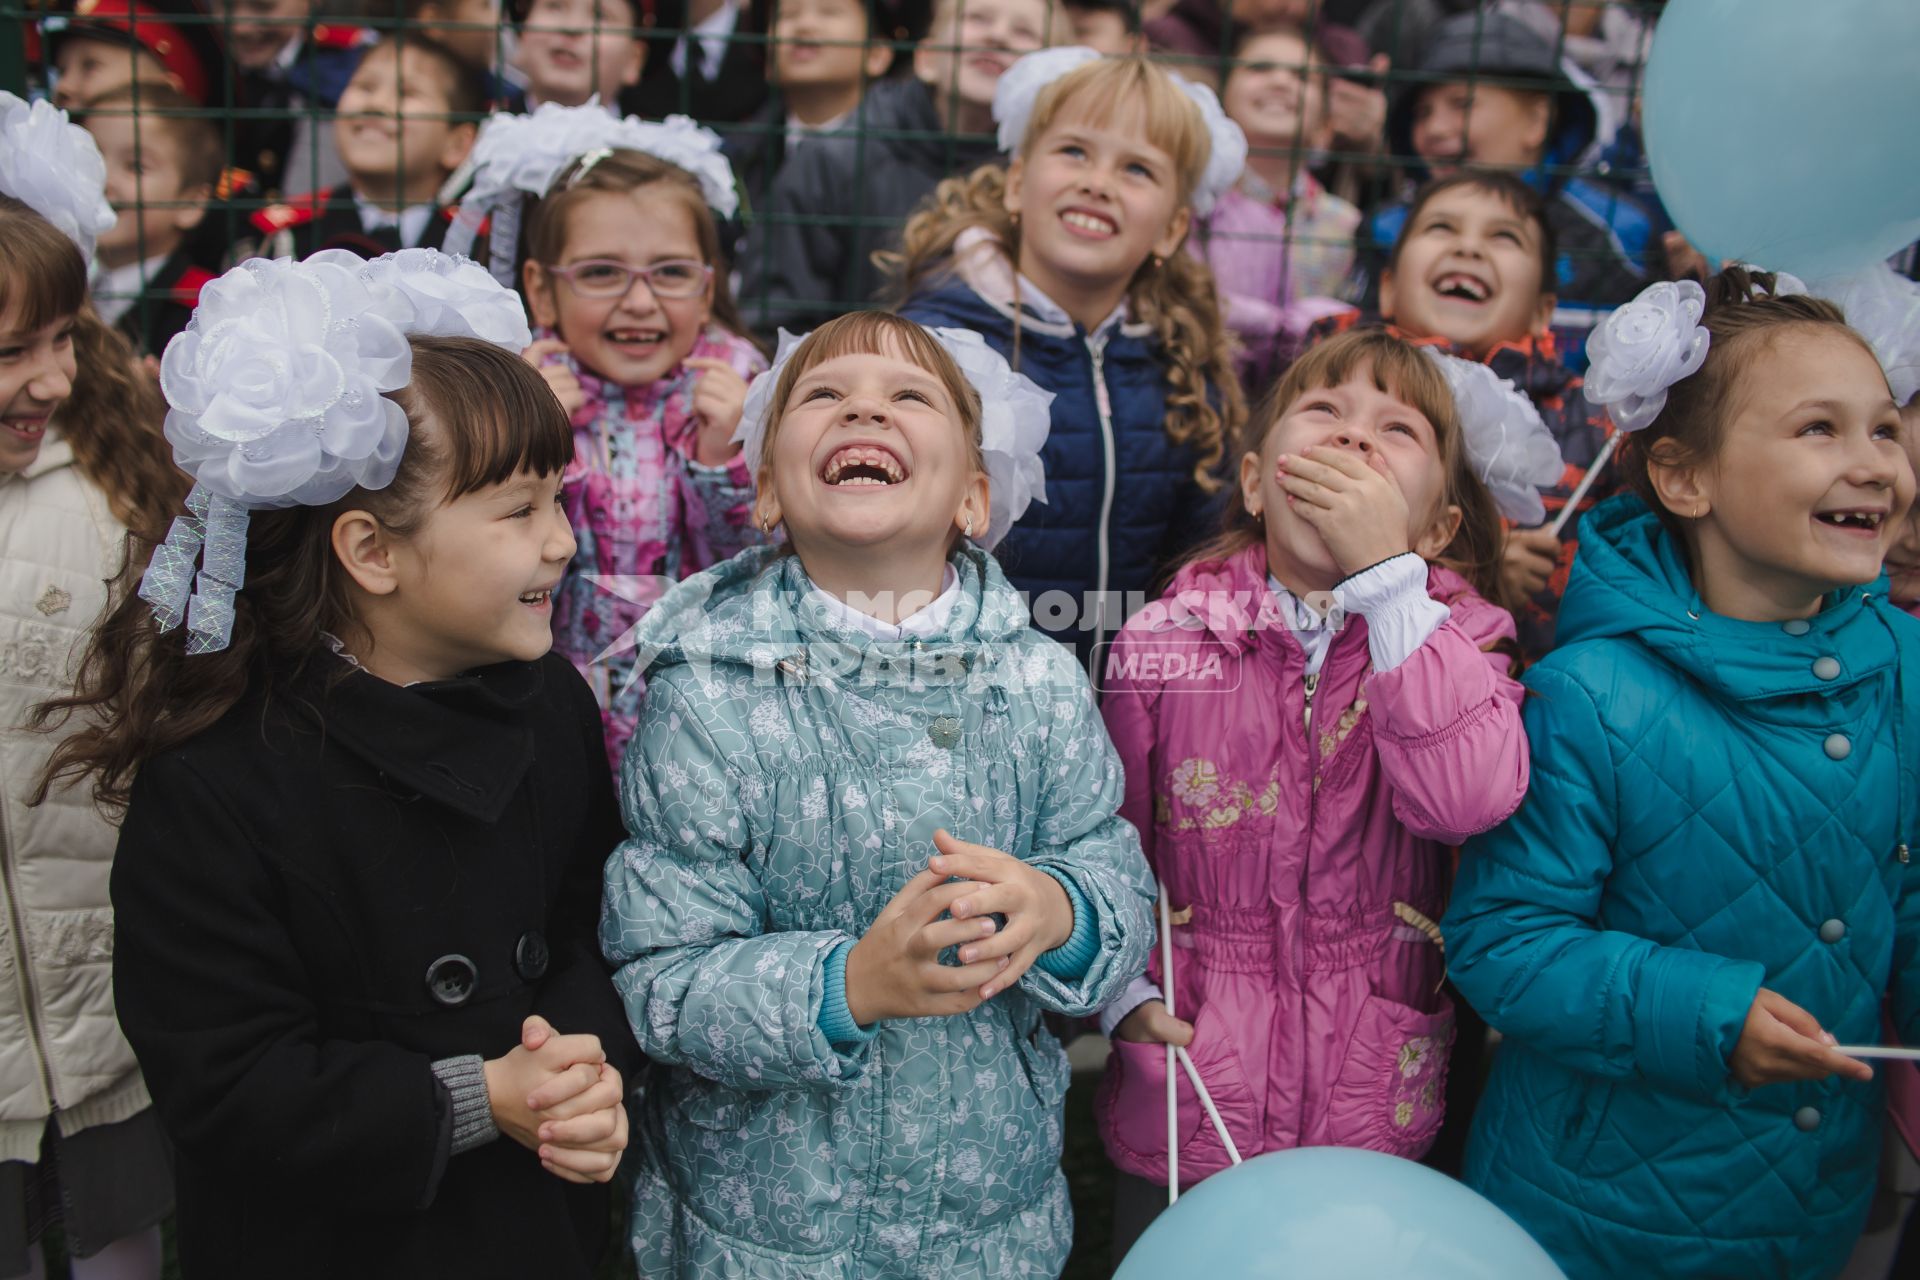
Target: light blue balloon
point(1334, 1213)
point(1786, 133)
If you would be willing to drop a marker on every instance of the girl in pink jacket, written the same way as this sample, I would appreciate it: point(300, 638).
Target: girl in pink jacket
point(1318, 708)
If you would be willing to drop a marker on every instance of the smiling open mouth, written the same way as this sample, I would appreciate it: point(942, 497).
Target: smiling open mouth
point(1092, 223)
point(1850, 519)
point(1464, 287)
point(863, 466)
point(636, 337)
point(536, 597)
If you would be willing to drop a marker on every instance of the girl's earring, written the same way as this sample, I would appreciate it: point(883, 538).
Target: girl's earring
point(766, 524)
point(1158, 262)
point(967, 532)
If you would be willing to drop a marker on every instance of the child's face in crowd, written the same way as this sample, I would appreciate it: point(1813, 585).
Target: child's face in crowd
point(474, 586)
point(1095, 200)
point(1390, 435)
point(1272, 94)
point(823, 43)
point(572, 49)
point(147, 187)
point(977, 42)
point(1468, 271)
point(639, 336)
point(36, 375)
point(870, 451)
point(1101, 30)
point(1814, 439)
point(89, 68)
point(393, 131)
point(1903, 561)
point(468, 27)
point(1480, 126)
point(262, 28)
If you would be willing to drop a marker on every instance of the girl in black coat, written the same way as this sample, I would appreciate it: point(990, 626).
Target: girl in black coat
point(358, 878)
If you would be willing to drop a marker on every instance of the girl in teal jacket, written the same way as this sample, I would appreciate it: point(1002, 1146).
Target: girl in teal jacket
point(1710, 879)
point(846, 998)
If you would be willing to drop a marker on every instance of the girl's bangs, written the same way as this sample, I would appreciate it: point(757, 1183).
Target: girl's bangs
point(43, 278)
point(493, 415)
point(1398, 369)
point(883, 334)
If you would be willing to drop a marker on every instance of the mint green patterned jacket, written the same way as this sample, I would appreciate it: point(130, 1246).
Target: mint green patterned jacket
point(784, 783)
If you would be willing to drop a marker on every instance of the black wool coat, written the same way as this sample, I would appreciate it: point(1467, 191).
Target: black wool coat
point(333, 887)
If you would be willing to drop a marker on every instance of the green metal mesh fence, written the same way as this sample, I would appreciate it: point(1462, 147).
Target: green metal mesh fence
point(262, 80)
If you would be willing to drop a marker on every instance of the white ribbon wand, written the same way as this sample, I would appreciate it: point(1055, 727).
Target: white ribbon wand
point(1600, 461)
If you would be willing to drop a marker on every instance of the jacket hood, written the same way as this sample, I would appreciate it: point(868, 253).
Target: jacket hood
point(1630, 580)
point(1499, 48)
point(756, 610)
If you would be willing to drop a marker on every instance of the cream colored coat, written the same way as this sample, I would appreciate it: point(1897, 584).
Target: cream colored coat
point(60, 1046)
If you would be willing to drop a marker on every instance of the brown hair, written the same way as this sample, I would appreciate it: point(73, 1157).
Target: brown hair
point(477, 415)
point(1176, 298)
point(621, 173)
point(163, 109)
point(1402, 370)
point(877, 333)
point(112, 419)
point(1743, 313)
point(463, 83)
point(1517, 196)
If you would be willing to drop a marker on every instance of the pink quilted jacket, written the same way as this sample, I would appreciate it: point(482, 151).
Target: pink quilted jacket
point(1286, 831)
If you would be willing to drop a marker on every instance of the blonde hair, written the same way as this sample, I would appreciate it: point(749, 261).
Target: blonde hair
point(1176, 297)
point(1398, 368)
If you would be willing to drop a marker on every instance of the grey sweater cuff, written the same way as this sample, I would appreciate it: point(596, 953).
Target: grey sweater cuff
point(465, 1080)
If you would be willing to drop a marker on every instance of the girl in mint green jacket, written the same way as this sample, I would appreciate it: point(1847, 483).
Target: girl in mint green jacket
point(873, 835)
point(1711, 879)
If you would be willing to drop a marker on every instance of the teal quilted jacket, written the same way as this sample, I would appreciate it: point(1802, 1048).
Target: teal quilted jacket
point(785, 781)
point(1716, 806)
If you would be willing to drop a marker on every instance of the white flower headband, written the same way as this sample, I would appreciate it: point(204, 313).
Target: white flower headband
point(1508, 446)
point(1643, 348)
point(54, 168)
point(1015, 417)
point(520, 156)
point(1020, 86)
point(276, 394)
point(1882, 306)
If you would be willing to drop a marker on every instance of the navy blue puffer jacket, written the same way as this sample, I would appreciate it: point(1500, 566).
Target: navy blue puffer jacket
point(1122, 502)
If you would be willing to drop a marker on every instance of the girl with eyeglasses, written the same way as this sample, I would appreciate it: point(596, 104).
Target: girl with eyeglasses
point(637, 334)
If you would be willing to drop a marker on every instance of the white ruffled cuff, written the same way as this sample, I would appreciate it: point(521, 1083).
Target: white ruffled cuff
point(1392, 597)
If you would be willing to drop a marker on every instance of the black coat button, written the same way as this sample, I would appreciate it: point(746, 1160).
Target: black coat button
point(530, 955)
point(450, 980)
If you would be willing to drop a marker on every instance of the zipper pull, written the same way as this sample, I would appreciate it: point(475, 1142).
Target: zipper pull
point(1902, 854)
point(1313, 682)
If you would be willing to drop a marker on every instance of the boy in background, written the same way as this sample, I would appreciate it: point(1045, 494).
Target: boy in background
point(840, 198)
point(407, 120)
point(1492, 95)
point(1473, 272)
point(572, 50)
point(163, 164)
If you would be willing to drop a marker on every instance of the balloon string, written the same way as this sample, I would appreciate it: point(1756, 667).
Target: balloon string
point(1173, 1081)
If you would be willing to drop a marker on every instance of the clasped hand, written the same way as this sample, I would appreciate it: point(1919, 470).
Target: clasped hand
point(894, 971)
point(560, 1098)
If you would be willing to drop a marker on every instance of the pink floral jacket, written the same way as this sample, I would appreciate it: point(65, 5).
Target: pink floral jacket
point(642, 509)
point(1294, 823)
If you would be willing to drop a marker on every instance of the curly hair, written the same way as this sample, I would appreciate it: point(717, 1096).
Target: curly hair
point(1176, 296)
point(112, 418)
